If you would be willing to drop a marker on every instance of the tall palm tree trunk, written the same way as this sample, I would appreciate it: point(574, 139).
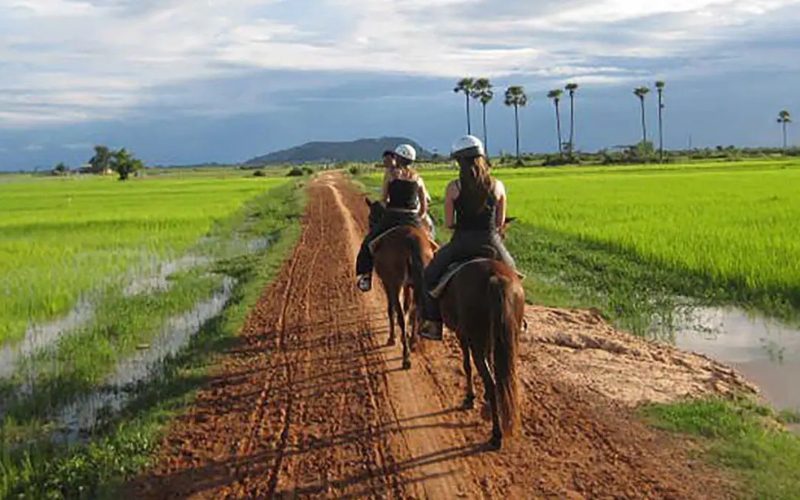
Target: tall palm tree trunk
point(485, 133)
point(469, 123)
point(784, 135)
point(571, 123)
point(558, 129)
point(660, 128)
point(644, 124)
point(516, 126)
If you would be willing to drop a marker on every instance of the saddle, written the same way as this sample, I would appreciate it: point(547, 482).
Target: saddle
point(375, 242)
point(454, 269)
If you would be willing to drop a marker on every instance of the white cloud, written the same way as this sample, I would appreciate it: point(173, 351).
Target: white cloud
point(73, 60)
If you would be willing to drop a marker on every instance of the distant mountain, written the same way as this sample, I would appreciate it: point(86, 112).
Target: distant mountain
point(319, 152)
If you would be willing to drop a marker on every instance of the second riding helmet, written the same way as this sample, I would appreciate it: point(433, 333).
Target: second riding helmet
point(406, 151)
point(467, 147)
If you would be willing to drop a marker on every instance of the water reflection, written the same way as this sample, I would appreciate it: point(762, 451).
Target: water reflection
point(765, 351)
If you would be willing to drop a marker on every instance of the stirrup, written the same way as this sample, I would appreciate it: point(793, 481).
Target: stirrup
point(364, 282)
point(431, 330)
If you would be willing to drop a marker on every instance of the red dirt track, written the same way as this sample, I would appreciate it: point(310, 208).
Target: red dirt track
point(311, 403)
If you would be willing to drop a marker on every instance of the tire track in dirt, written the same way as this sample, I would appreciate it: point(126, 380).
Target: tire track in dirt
point(311, 403)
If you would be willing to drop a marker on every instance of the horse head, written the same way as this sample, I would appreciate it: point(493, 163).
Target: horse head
point(376, 211)
point(504, 228)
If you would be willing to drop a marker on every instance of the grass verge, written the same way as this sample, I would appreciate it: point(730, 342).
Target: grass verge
point(741, 437)
point(125, 443)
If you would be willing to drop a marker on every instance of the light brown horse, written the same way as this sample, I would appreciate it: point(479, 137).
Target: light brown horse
point(400, 258)
point(484, 303)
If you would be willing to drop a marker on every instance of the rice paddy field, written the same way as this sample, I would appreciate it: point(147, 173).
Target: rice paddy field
point(112, 296)
point(61, 238)
point(716, 232)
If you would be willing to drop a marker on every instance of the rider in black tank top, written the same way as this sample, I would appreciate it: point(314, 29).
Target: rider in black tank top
point(475, 228)
point(484, 220)
point(405, 201)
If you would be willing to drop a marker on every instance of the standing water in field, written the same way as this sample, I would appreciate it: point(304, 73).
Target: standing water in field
point(159, 281)
point(41, 336)
point(765, 351)
point(85, 413)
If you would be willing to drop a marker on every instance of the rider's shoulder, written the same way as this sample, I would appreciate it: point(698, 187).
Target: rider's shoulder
point(499, 187)
point(454, 186)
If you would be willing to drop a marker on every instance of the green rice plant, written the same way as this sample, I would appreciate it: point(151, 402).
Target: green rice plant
point(33, 466)
point(721, 232)
point(64, 237)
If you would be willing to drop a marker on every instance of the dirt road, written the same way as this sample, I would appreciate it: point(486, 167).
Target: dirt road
point(311, 402)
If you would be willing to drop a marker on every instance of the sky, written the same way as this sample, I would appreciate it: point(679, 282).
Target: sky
point(191, 81)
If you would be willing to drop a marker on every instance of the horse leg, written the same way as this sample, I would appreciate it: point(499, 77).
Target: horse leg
point(482, 364)
point(469, 398)
point(401, 321)
point(390, 313)
point(412, 323)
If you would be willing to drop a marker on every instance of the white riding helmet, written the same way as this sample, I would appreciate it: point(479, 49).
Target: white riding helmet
point(467, 147)
point(406, 151)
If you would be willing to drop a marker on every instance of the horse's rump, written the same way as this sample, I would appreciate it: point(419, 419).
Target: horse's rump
point(485, 305)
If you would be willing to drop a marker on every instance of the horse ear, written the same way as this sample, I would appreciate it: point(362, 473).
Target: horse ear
point(366, 200)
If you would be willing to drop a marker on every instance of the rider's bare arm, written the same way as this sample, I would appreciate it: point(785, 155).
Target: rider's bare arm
point(422, 193)
point(500, 194)
point(449, 205)
point(387, 178)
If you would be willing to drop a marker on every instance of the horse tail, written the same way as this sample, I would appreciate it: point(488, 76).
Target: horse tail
point(416, 270)
point(504, 332)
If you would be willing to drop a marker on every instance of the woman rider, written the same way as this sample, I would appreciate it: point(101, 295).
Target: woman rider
point(475, 207)
point(405, 198)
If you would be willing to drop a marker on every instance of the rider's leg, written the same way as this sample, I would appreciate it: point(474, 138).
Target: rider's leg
point(427, 221)
point(432, 326)
point(365, 262)
point(503, 254)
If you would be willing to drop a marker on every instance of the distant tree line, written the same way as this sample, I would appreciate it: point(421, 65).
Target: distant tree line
point(481, 89)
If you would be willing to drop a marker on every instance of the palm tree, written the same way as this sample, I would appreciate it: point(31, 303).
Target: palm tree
point(571, 88)
point(660, 89)
point(640, 92)
point(784, 118)
point(466, 85)
point(555, 95)
point(482, 90)
point(515, 96)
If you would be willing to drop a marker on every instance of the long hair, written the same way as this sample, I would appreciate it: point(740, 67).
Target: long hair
point(476, 184)
point(404, 170)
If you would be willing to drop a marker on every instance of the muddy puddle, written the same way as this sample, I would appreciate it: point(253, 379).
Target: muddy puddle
point(78, 419)
point(765, 351)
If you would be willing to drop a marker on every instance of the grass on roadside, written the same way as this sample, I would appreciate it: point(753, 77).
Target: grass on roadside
point(741, 437)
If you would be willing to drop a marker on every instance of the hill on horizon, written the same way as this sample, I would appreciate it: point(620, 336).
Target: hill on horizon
point(361, 150)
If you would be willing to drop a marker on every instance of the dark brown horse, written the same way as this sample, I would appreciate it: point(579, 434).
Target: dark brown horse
point(484, 303)
point(400, 259)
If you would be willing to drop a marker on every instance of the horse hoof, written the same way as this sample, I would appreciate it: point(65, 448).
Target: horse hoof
point(468, 404)
point(406, 364)
point(391, 342)
point(495, 443)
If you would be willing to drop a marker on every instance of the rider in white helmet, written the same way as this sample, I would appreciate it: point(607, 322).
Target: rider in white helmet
point(475, 208)
point(406, 201)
